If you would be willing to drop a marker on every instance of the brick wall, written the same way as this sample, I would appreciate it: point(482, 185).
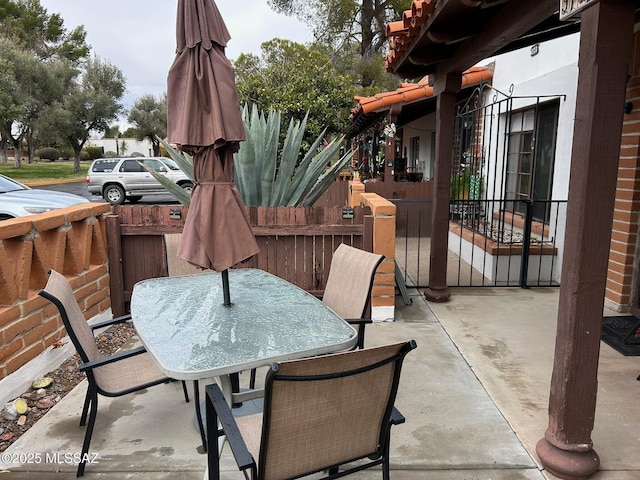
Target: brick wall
point(71, 241)
point(384, 238)
point(621, 290)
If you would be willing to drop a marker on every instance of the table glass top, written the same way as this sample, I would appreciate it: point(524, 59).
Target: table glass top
point(184, 325)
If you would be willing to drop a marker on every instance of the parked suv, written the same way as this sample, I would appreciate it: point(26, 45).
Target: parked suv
point(120, 179)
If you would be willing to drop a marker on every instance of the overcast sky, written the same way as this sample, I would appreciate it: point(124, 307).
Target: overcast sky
point(138, 36)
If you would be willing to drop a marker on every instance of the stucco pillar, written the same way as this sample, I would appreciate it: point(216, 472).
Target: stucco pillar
point(605, 48)
point(446, 89)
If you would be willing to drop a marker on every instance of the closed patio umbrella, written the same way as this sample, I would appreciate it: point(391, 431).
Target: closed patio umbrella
point(204, 119)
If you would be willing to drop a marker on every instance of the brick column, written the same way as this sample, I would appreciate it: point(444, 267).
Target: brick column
point(384, 242)
point(620, 294)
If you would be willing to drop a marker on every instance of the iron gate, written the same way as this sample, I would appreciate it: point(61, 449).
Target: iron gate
point(505, 228)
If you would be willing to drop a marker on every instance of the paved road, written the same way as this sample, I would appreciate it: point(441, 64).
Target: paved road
point(80, 188)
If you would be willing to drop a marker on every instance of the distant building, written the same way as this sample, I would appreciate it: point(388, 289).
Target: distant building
point(123, 147)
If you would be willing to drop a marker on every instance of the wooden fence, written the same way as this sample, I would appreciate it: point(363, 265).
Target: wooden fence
point(413, 202)
point(296, 244)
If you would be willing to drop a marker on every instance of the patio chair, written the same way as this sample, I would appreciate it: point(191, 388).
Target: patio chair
point(112, 376)
point(320, 415)
point(348, 288)
point(175, 264)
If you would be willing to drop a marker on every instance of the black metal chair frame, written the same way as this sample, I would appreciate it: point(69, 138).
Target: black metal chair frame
point(359, 323)
point(221, 422)
point(90, 405)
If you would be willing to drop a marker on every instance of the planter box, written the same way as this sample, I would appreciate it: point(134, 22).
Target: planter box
point(501, 262)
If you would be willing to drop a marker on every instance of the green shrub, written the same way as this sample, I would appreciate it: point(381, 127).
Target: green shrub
point(94, 152)
point(48, 153)
point(84, 156)
point(138, 154)
point(67, 153)
point(110, 154)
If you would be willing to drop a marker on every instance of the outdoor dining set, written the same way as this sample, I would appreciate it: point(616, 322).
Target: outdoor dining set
point(323, 392)
point(328, 402)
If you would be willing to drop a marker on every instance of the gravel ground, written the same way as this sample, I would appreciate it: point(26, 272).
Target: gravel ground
point(65, 378)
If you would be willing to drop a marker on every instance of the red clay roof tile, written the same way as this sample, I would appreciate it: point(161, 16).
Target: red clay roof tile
point(409, 92)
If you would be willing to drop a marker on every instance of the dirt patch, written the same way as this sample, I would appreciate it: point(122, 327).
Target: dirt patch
point(65, 378)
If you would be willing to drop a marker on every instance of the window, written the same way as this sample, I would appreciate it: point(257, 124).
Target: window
point(154, 164)
point(131, 166)
point(104, 165)
point(530, 158)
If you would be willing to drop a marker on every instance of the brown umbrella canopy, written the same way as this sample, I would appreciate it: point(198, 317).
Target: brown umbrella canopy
point(204, 119)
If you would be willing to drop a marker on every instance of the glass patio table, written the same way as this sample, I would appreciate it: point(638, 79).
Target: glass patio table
point(191, 335)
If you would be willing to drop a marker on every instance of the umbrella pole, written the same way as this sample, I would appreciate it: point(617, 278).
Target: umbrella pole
point(225, 288)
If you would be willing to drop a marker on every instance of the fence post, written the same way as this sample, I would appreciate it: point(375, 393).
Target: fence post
point(116, 276)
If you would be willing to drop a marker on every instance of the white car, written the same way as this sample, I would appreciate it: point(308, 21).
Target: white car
point(18, 200)
point(120, 179)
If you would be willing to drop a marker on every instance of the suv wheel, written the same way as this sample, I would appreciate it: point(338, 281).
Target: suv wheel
point(187, 187)
point(114, 194)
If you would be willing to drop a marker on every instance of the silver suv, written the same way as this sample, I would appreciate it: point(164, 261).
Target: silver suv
point(120, 179)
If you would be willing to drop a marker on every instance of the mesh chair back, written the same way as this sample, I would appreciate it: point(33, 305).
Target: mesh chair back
point(350, 281)
point(328, 410)
point(175, 264)
point(59, 291)
point(112, 379)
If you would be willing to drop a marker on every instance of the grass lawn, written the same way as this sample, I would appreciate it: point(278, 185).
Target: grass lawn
point(32, 173)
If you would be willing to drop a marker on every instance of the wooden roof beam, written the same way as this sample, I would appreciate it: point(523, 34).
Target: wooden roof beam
point(514, 20)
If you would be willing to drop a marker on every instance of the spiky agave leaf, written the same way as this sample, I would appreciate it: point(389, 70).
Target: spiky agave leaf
point(183, 159)
point(326, 179)
point(174, 189)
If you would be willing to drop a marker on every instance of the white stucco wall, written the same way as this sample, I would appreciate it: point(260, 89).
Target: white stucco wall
point(423, 128)
point(131, 145)
point(552, 71)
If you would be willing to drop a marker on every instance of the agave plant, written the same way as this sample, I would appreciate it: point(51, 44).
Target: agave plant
point(185, 162)
point(265, 176)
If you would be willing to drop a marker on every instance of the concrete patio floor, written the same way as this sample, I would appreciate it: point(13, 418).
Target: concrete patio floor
point(475, 394)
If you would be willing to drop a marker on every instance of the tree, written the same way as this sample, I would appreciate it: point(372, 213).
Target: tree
point(355, 29)
point(8, 85)
point(41, 55)
point(28, 24)
point(29, 86)
point(312, 85)
point(149, 118)
point(113, 131)
point(91, 104)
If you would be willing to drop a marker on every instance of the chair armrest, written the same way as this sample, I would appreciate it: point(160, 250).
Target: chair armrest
point(358, 321)
point(361, 323)
point(215, 401)
point(396, 417)
point(113, 321)
point(112, 358)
